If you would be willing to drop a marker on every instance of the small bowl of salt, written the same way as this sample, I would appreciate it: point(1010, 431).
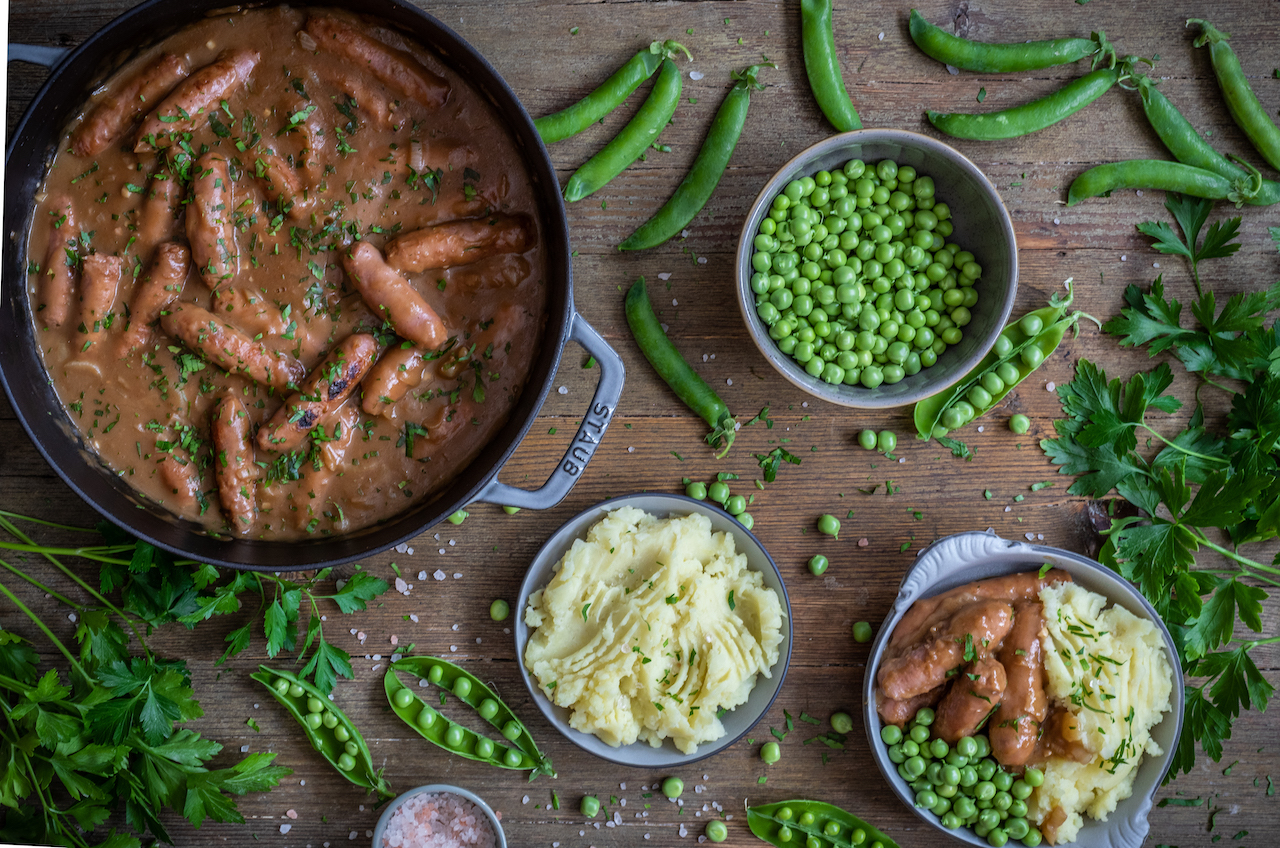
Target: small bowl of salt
point(438, 816)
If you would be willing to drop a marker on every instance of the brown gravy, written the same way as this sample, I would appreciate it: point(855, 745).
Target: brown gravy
point(206, 310)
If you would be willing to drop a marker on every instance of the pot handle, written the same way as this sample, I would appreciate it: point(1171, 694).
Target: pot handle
point(585, 441)
point(38, 54)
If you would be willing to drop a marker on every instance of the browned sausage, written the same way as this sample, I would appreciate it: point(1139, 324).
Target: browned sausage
point(900, 712)
point(372, 100)
point(505, 271)
point(57, 278)
point(320, 508)
point(182, 479)
point(313, 157)
point(460, 242)
point(184, 110)
point(391, 297)
point(399, 370)
point(342, 426)
point(108, 120)
point(161, 286)
point(395, 69)
point(210, 226)
point(972, 631)
point(248, 311)
point(99, 282)
point(158, 220)
point(974, 695)
point(325, 389)
point(281, 183)
point(487, 345)
point(1016, 725)
point(233, 464)
point(925, 614)
point(226, 346)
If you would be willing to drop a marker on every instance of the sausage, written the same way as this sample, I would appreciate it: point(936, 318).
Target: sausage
point(1016, 725)
point(99, 282)
point(326, 388)
point(160, 286)
point(441, 154)
point(160, 207)
point(233, 464)
point(313, 157)
point(204, 333)
point(965, 636)
point(899, 712)
point(248, 311)
point(390, 296)
point(210, 226)
point(926, 613)
point(488, 344)
point(108, 120)
point(58, 275)
point(372, 100)
point(181, 477)
point(974, 695)
point(508, 270)
point(344, 424)
point(199, 93)
point(460, 242)
point(281, 184)
point(399, 370)
point(397, 70)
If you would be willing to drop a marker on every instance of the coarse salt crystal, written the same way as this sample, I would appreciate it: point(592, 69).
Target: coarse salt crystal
point(1155, 264)
point(293, 814)
point(1031, 537)
point(413, 616)
point(902, 460)
point(695, 75)
point(524, 800)
point(352, 835)
point(441, 554)
point(684, 831)
point(410, 551)
point(980, 429)
point(665, 275)
point(376, 657)
point(362, 636)
point(477, 640)
point(1008, 509)
point(453, 649)
point(455, 627)
point(666, 327)
point(631, 449)
point(562, 390)
point(353, 631)
point(424, 683)
point(1057, 221)
point(396, 657)
point(304, 783)
point(702, 260)
point(285, 828)
point(622, 786)
point(623, 802)
point(376, 667)
point(395, 640)
point(457, 575)
point(862, 543)
point(1051, 385)
point(675, 302)
point(1040, 537)
point(713, 356)
point(439, 574)
point(880, 37)
point(71, 617)
point(255, 706)
point(401, 586)
point(729, 382)
point(1139, 192)
point(422, 575)
point(244, 749)
point(953, 70)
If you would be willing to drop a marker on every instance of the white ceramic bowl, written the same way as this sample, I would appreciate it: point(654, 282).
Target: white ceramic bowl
point(381, 827)
point(966, 557)
point(982, 226)
point(738, 722)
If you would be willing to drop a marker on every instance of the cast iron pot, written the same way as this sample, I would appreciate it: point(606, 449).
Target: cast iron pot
point(73, 76)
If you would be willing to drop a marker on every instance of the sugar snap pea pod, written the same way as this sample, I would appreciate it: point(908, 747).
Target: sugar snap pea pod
point(994, 58)
point(618, 87)
point(672, 368)
point(1190, 148)
point(640, 132)
point(789, 824)
point(822, 66)
point(473, 692)
point(328, 729)
point(1156, 175)
point(1029, 117)
point(1242, 103)
point(705, 172)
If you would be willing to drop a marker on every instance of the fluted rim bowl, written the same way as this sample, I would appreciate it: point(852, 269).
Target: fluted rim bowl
point(966, 557)
point(381, 827)
point(737, 722)
point(982, 226)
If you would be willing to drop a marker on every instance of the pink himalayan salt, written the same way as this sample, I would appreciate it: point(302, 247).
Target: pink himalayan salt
point(438, 820)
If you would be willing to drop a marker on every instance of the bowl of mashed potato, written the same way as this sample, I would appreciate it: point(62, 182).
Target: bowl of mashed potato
point(1103, 725)
point(653, 630)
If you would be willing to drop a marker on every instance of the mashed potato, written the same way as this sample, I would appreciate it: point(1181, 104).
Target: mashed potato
point(1109, 668)
point(651, 626)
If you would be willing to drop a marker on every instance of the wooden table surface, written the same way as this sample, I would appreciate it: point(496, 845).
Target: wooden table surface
point(532, 43)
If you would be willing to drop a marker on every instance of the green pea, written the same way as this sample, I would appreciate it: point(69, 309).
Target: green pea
point(435, 675)
point(341, 733)
point(992, 383)
point(736, 505)
point(426, 717)
point(953, 419)
point(867, 438)
point(967, 747)
point(770, 753)
point(914, 766)
point(718, 492)
point(817, 564)
point(924, 716)
point(1017, 828)
point(488, 709)
point(1031, 324)
point(313, 720)
point(886, 441)
point(462, 687)
point(1003, 346)
point(806, 819)
point(484, 748)
point(458, 517)
point(346, 762)
point(911, 748)
point(454, 736)
point(402, 698)
point(511, 731)
point(1020, 424)
point(589, 806)
point(329, 720)
point(281, 686)
point(862, 634)
point(1033, 776)
point(717, 831)
point(351, 748)
point(842, 722)
point(997, 838)
point(746, 520)
point(939, 748)
point(1032, 839)
point(829, 525)
point(919, 734)
point(1032, 356)
point(1003, 780)
point(295, 691)
point(926, 798)
point(672, 787)
point(979, 397)
point(499, 610)
point(784, 834)
point(784, 814)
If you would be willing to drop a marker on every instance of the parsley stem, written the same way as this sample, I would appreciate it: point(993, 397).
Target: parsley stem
point(1232, 555)
point(1218, 385)
point(58, 596)
point(57, 643)
point(53, 524)
point(1181, 449)
point(98, 553)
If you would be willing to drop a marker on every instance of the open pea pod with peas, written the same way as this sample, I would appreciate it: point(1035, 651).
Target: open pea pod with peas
point(1017, 353)
point(328, 729)
point(453, 737)
point(802, 822)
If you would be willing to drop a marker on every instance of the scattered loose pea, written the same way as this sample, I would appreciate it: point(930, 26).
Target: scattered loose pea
point(829, 525)
point(672, 787)
point(718, 492)
point(886, 441)
point(696, 490)
point(717, 831)
point(862, 631)
point(511, 510)
point(1020, 424)
point(458, 517)
point(746, 520)
point(736, 505)
point(499, 610)
point(867, 438)
point(770, 752)
point(841, 722)
point(590, 806)
point(817, 564)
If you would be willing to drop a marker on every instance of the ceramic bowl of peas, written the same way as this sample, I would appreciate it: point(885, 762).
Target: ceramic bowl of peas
point(876, 268)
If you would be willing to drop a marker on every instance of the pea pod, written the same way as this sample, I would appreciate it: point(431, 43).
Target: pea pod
point(823, 67)
point(705, 172)
point(328, 729)
point(618, 87)
point(1016, 349)
point(1159, 175)
point(795, 823)
point(989, 58)
point(1242, 103)
point(455, 738)
point(640, 132)
point(1036, 115)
